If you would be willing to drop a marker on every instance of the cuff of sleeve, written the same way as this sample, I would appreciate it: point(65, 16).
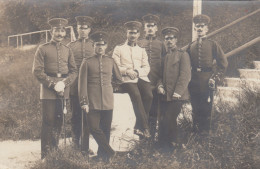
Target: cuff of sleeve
point(51, 85)
point(177, 94)
point(67, 81)
point(160, 86)
point(83, 101)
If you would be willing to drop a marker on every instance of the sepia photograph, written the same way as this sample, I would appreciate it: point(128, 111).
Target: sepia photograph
point(145, 84)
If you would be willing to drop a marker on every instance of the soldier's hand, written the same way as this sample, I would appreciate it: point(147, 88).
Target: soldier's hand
point(212, 83)
point(85, 108)
point(132, 74)
point(59, 87)
point(161, 90)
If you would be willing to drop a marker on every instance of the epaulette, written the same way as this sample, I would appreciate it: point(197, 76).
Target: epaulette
point(107, 56)
point(65, 45)
point(72, 42)
point(213, 41)
point(44, 44)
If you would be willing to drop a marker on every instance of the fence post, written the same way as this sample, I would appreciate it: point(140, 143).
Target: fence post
point(46, 34)
point(21, 41)
point(17, 41)
point(8, 41)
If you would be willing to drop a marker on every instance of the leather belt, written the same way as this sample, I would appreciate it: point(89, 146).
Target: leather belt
point(202, 69)
point(57, 75)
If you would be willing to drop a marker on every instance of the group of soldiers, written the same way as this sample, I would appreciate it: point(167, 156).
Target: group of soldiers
point(157, 75)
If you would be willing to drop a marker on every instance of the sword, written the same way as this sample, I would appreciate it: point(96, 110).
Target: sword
point(64, 118)
point(212, 99)
point(82, 129)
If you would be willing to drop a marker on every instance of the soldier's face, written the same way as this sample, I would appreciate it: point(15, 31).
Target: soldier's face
point(201, 29)
point(170, 41)
point(100, 48)
point(83, 31)
point(58, 34)
point(132, 35)
point(150, 29)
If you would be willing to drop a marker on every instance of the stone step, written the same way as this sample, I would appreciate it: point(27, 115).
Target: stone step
point(238, 82)
point(257, 64)
point(227, 92)
point(249, 73)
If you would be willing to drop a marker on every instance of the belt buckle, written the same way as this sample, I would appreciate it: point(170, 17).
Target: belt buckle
point(58, 74)
point(199, 69)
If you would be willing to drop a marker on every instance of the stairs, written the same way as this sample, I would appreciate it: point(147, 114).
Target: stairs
point(233, 86)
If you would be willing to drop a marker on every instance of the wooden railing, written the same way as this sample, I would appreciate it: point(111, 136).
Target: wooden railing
point(72, 36)
point(235, 51)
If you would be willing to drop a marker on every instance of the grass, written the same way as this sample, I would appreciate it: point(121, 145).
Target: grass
point(234, 143)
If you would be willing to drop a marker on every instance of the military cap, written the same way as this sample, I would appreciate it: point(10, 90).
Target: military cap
point(149, 18)
point(100, 37)
point(58, 22)
point(201, 19)
point(170, 31)
point(84, 20)
point(133, 25)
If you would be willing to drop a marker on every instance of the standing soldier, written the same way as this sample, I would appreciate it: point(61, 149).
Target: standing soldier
point(55, 68)
point(155, 49)
point(202, 53)
point(82, 49)
point(96, 93)
point(174, 87)
point(132, 61)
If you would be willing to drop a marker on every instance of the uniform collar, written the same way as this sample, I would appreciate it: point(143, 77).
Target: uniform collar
point(133, 45)
point(81, 39)
point(202, 38)
point(150, 37)
point(55, 42)
point(172, 49)
point(98, 56)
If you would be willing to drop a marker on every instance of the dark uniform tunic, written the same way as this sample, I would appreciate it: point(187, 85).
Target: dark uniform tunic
point(53, 59)
point(82, 49)
point(155, 50)
point(175, 79)
point(95, 89)
point(202, 53)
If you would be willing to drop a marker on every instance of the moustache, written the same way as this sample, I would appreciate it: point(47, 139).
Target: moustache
point(60, 36)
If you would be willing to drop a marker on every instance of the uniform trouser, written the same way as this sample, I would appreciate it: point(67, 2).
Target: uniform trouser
point(100, 126)
point(168, 125)
point(152, 120)
point(201, 111)
point(76, 122)
point(141, 96)
point(52, 117)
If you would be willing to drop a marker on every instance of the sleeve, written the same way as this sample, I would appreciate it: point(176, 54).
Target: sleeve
point(82, 84)
point(184, 74)
point(221, 62)
point(117, 58)
point(163, 55)
point(38, 69)
point(145, 67)
point(73, 72)
point(117, 78)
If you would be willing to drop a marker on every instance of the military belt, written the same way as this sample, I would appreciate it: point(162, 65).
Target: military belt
point(57, 75)
point(202, 69)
